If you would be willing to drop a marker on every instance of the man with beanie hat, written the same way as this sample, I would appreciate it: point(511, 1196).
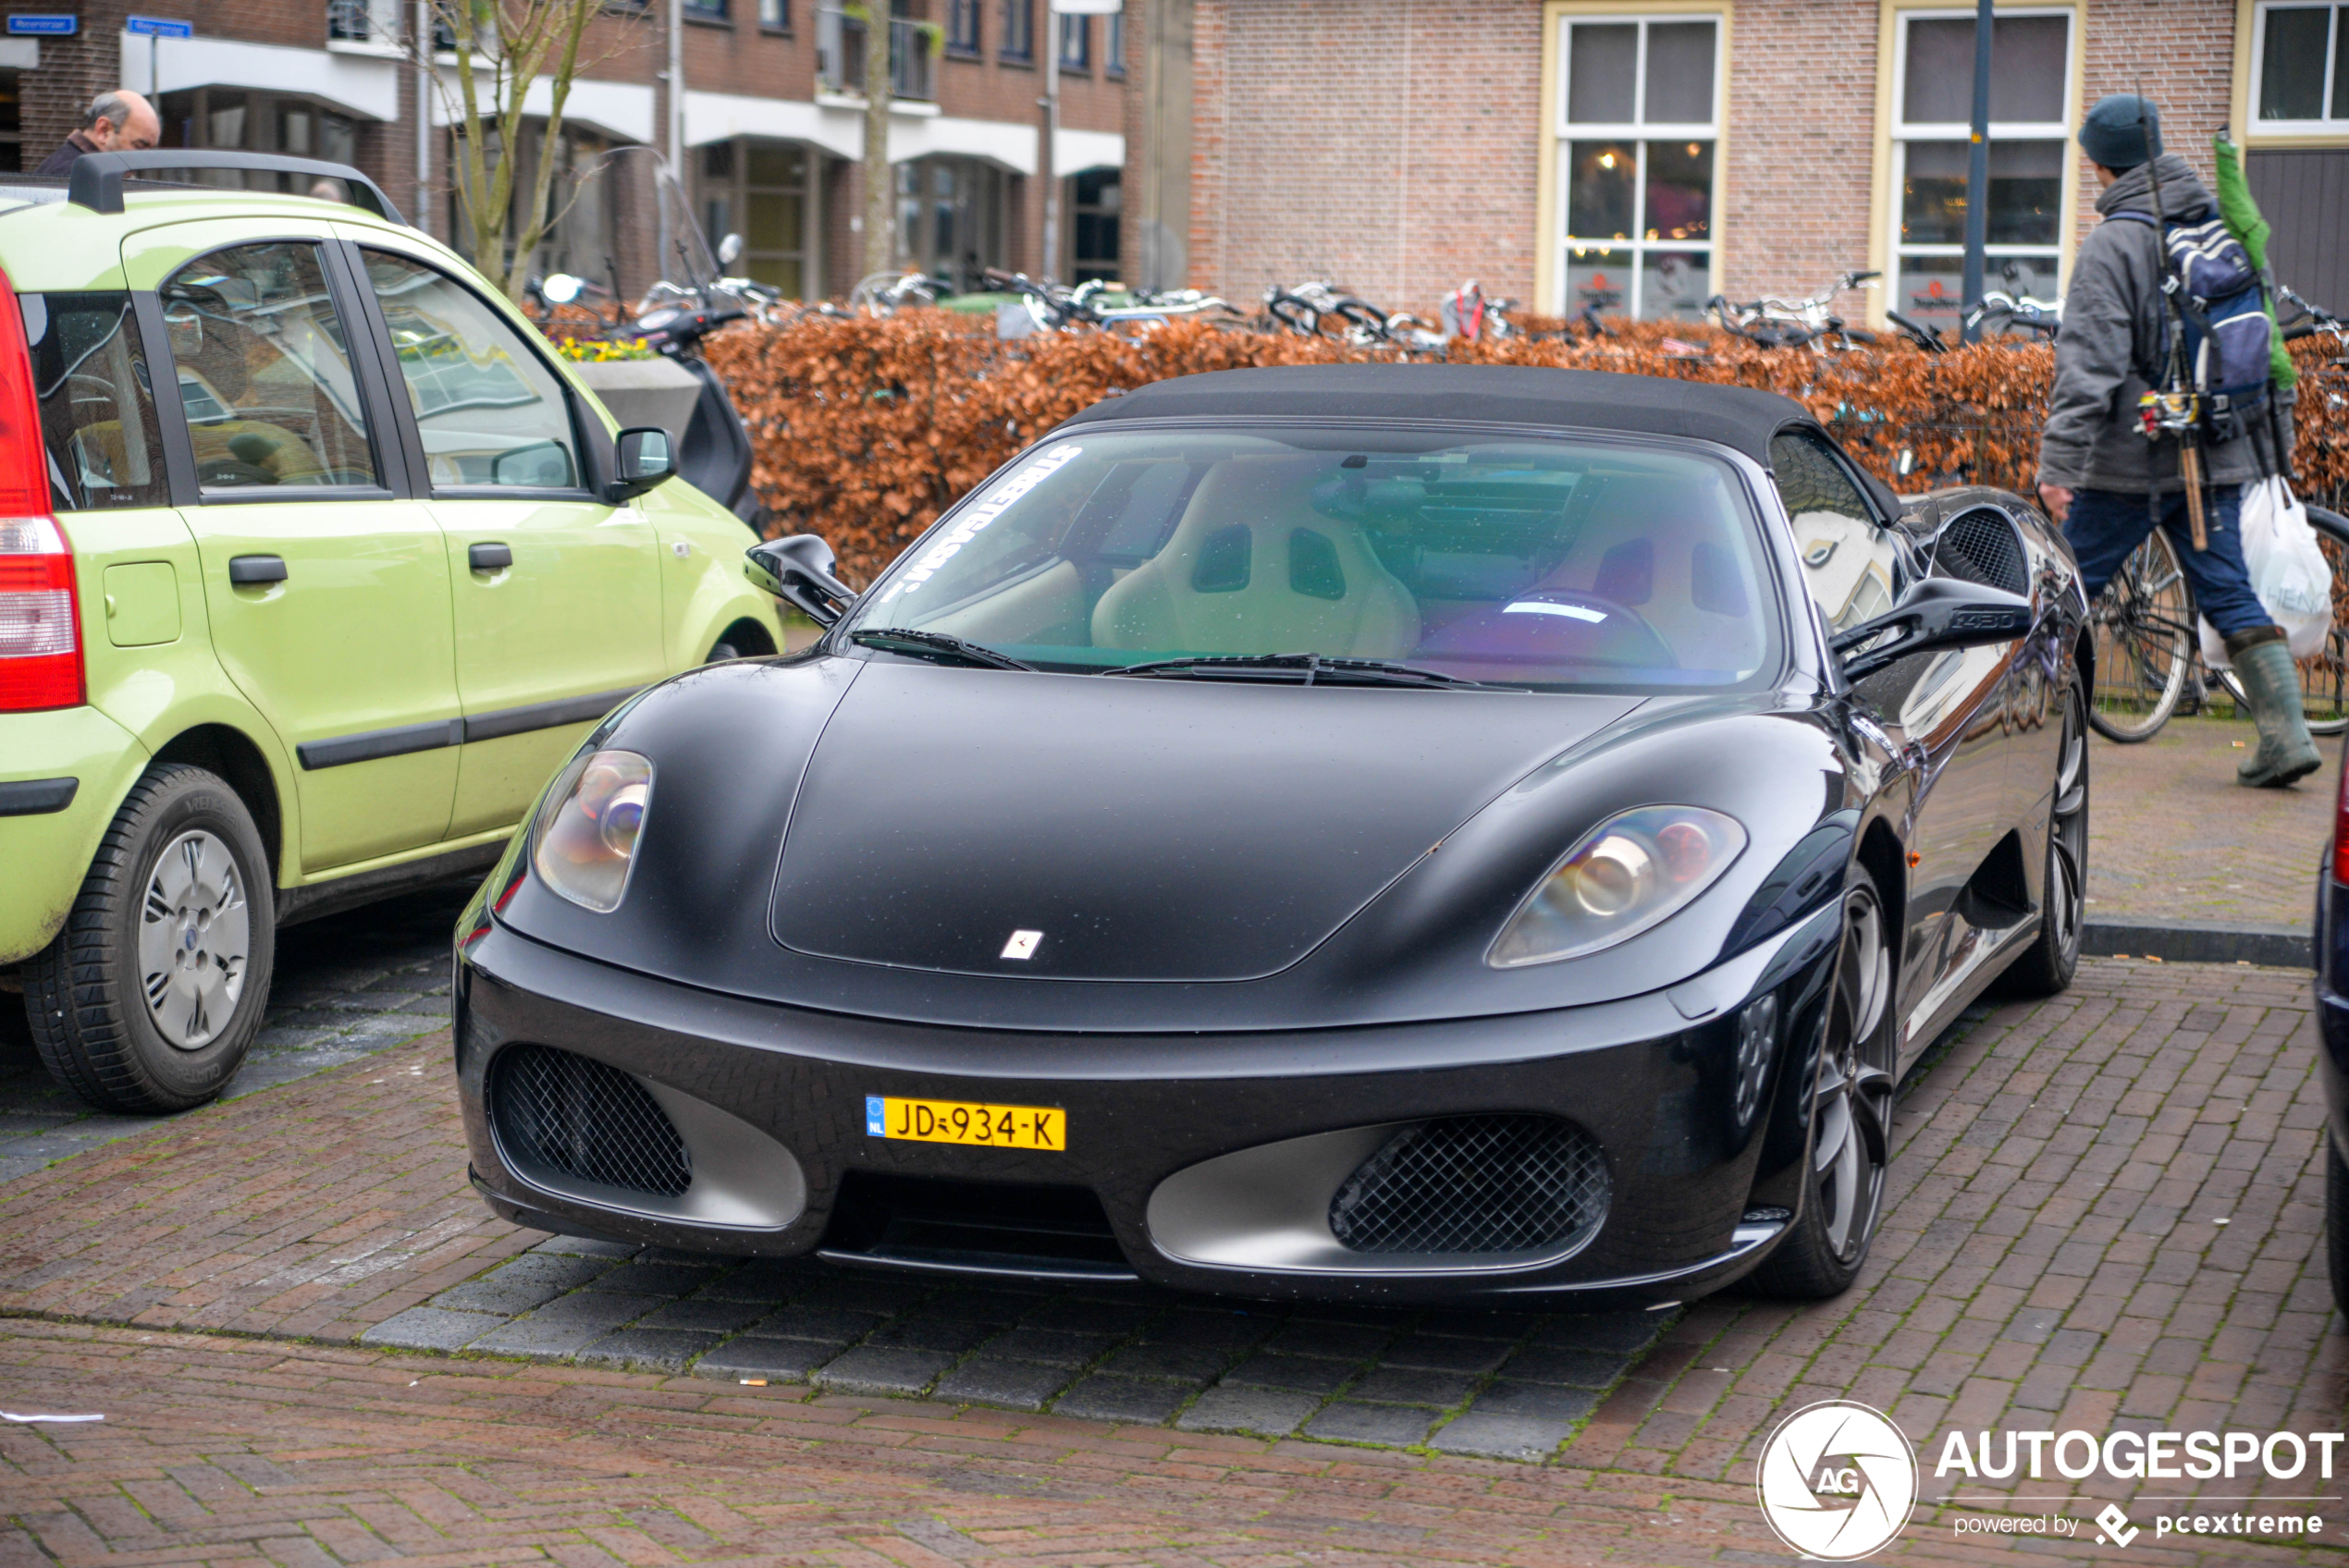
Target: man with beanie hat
point(2097, 469)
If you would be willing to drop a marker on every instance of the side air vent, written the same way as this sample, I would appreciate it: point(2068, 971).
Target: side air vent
point(556, 1111)
point(1475, 1185)
point(1981, 547)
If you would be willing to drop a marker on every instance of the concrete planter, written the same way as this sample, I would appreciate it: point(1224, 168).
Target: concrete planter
point(643, 392)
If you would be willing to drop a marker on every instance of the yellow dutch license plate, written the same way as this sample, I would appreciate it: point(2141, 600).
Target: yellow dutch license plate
point(960, 1121)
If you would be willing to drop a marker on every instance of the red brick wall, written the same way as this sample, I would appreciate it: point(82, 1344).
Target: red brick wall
point(1389, 145)
point(1800, 144)
point(2180, 53)
point(1392, 144)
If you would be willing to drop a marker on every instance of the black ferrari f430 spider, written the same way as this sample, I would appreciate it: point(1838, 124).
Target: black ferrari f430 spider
point(1374, 833)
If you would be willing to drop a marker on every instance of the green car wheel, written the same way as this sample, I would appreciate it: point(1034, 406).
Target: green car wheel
point(150, 996)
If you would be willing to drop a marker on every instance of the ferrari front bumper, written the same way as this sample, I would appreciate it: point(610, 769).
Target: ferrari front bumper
point(1207, 1162)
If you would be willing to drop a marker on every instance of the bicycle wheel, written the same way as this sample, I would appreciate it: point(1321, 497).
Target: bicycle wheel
point(2144, 644)
point(2324, 679)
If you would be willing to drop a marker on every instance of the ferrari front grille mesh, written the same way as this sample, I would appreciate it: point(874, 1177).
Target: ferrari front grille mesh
point(561, 1112)
point(1981, 548)
point(1475, 1184)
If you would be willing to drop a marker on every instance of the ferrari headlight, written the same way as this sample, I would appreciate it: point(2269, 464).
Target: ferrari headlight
point(1630, 872)
point(584, 845)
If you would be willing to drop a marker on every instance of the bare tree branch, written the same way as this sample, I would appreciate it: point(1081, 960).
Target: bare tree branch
point(502, 47)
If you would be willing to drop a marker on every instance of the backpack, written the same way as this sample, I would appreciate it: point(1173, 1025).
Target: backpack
point(2230, 336)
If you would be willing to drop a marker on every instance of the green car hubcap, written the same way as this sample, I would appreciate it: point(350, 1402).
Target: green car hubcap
point(195, 936)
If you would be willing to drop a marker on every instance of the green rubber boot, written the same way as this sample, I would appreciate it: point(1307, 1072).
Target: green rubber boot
point(2263, 664)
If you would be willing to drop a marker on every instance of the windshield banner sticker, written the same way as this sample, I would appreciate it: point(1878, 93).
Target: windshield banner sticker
point(979, 516)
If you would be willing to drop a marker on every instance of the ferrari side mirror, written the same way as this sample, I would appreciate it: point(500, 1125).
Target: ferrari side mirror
point(1939, 612)
point(798, 571)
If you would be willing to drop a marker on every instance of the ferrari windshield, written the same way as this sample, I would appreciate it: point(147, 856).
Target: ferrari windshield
point(1572, 563)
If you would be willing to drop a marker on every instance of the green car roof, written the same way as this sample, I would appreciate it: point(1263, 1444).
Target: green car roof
point(46, 243)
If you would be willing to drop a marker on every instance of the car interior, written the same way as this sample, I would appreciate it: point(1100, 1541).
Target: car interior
point(1508, 562)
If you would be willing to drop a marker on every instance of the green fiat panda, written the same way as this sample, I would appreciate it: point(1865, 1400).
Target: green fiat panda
point(314, 564)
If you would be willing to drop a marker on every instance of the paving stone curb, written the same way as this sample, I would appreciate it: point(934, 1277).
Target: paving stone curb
point(2268, 944)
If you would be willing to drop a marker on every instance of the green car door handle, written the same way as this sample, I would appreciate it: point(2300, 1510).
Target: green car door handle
point(250, 571)
point(489, 557)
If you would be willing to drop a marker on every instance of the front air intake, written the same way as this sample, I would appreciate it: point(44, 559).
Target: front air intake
point(1475, 1185)
point(560, 1113)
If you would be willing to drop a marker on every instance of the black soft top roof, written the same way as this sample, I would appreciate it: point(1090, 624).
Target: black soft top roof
point(1737, 417)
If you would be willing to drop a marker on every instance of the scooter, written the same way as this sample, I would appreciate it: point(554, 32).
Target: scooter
point(672, 319)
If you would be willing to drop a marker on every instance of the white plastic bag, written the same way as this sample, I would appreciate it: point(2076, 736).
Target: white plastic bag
point(2288, 572)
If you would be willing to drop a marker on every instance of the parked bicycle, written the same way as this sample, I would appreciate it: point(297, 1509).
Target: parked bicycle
point(2148, 650)
point(1774, 323)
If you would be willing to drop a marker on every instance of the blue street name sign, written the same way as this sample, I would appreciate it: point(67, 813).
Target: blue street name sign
point(159, 26)
point(26, 24)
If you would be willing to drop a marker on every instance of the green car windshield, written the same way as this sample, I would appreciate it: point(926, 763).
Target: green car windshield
point(1567, 564)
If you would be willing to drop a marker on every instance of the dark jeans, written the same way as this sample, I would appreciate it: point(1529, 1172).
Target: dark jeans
point(2105, 525)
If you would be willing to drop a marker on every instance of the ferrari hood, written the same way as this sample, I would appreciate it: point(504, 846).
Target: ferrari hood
point(1085, 828)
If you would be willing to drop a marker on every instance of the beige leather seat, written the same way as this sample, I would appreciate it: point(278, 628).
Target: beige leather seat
point(1667, 547)
point(1253, 568)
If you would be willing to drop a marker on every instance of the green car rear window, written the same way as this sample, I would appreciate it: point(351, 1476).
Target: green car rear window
point(97, 404)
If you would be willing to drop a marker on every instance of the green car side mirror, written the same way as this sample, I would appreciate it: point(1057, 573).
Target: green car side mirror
point(641, 459)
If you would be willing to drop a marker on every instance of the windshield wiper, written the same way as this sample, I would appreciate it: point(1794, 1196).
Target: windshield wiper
point(1314, 668)
point(932, 645)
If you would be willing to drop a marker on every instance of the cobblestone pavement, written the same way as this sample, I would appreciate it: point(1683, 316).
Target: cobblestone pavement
point(337, 1209)
point(2173, 837)
point(346, 985)
point(2053, 1257)
point(2106, 1214)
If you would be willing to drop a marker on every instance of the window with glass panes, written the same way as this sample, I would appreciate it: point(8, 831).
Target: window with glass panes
point(2300, 67)
point(1076, 42)
point(759, 189)
point(2030, 92)
point(1019, 29)
point(1639, 122)
point(962, 26)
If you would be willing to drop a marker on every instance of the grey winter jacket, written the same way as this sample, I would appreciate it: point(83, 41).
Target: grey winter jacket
point(2111, 343)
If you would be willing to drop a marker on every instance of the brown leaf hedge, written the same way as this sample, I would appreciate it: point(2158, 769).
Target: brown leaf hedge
point(864, 430)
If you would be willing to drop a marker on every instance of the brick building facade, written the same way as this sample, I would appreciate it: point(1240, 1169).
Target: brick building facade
point(1642, 155)
point(769, 129)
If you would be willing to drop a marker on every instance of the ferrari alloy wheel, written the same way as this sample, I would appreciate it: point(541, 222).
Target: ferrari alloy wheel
point(149, 998)
point(1850, 1117)
point(2046, 966)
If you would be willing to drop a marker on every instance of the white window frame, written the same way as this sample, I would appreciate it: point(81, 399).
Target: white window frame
point(1905, 131)
point(2259, 65)
point(1569, 132)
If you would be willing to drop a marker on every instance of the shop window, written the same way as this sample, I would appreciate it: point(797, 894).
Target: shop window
point(2030, 76)
point(1639, 122)
point(258, 122)
point(1093, 204)
point(2300, 67)
point(1019, 30)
